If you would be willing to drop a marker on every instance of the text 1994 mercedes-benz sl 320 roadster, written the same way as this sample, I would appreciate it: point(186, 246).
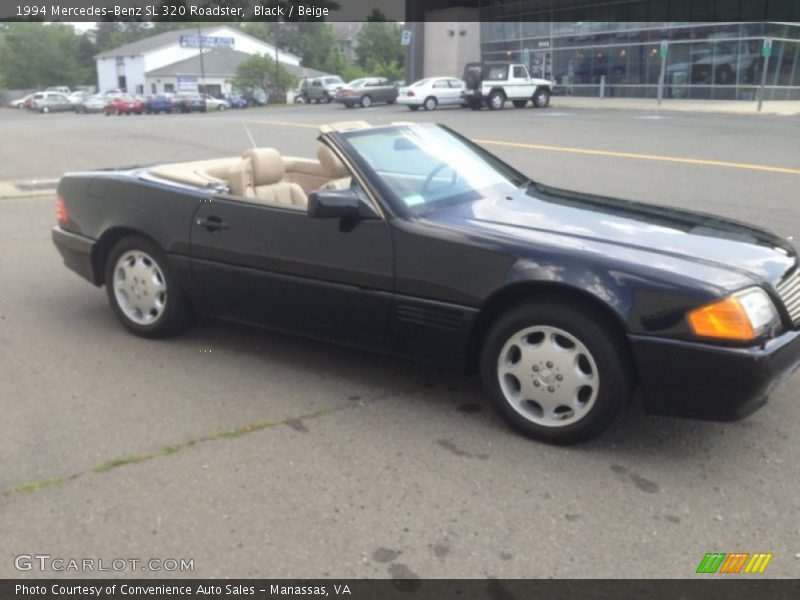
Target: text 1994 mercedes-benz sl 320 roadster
point(412, 240)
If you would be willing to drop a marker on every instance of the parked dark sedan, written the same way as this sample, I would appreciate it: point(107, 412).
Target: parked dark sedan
point(189, 103)
point(366, 92)
point(412, 240)
point(157, 104)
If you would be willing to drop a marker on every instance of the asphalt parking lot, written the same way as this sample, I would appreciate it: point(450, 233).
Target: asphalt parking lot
point(262, 455)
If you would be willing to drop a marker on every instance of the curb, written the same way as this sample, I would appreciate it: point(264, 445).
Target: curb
point(790, 108)
point(28, 188)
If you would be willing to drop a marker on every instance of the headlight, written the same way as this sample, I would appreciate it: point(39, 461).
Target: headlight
point(742, 316)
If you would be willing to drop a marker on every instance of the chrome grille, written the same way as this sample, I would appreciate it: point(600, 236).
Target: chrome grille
point(789, 291)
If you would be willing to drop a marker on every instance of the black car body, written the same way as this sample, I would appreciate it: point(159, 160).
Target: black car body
point(433, 265)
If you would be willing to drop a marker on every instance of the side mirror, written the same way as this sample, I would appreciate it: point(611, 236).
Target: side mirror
point(338, 204)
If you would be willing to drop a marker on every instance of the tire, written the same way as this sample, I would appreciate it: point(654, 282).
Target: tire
point(473, 79)
point(326, 98)
point(568, 358)
point(348, 105)
point(45, 110)
point(366, 101)
point(221, 108)
point(474, 104)
point(541, 98)
point(413, 107)
point(519, 103)
point(430, 103)
point(391, 101)
point(155, 285)
point(496, 100)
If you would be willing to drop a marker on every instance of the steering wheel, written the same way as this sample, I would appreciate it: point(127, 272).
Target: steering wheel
point(433, 174)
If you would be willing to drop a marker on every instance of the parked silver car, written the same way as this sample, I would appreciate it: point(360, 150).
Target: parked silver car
point(46, 102)
point(320, 89)
point(366, 92)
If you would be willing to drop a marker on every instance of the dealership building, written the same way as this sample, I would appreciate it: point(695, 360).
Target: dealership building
point(615, 48)
point(186, 60)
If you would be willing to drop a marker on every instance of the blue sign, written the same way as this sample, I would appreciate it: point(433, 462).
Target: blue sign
point(206, 41)
point(187, 82)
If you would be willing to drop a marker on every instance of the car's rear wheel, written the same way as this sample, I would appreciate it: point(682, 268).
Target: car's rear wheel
point(558, 373)
point(431, 103)
point(45, 109)
point(519, 103)
point(496, 100)
point(366, 101)
point(541, 98)
point(143, 289)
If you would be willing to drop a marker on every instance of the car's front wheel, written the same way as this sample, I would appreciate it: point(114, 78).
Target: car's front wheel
point(143, 289)
point(557, 372)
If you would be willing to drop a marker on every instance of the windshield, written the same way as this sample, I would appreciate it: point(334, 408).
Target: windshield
point(426, 167)
point(420, 83)
point(332, 80)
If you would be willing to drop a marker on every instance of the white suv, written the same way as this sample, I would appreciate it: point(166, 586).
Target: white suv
point(492, 83)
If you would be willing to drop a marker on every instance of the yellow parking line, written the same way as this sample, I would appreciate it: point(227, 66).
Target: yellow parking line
point(589, 151)
point(659, 157)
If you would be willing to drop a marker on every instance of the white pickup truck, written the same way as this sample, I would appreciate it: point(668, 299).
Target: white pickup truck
point(492, 83)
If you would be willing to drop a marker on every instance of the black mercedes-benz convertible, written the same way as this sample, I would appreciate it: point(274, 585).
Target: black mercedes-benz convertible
point(412, 240)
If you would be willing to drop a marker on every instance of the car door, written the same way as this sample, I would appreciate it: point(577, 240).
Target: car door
point(456, 87)
point(384, 90)
point(520, 82)
point(441, 90)
point(279, 267)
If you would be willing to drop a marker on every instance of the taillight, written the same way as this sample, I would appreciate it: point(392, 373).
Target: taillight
point(61, 210)
point(409, 93)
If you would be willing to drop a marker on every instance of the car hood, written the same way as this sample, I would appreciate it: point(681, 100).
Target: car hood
point(649, 228)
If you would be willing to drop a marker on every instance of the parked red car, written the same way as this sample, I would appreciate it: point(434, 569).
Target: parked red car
point(123, 105)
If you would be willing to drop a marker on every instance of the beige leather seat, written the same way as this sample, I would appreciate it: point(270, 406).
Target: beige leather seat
point(268, 185)
point(334, 169)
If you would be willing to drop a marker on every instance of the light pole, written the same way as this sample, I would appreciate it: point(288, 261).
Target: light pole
point(202, 64)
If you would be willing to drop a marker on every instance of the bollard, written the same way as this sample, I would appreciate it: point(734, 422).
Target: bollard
point(602, 86)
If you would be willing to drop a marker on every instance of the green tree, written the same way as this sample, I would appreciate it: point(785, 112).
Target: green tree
point(259, 72)
point(41, 55)
point(379, 41)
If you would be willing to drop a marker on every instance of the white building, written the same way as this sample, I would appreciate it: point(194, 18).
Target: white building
point(143, 67)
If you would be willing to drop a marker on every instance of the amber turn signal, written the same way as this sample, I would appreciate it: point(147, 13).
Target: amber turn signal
point(61, 210)
point(725, 319)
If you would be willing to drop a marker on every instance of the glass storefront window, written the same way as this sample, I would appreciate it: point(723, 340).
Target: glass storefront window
point(705, 60)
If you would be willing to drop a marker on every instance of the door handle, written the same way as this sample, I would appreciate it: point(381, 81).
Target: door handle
point(212, 224)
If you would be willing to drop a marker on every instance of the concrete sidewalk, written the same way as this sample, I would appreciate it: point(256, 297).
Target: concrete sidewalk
point(777, 107)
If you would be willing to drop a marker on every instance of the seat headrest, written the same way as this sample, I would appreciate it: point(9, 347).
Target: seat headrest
point(333, 167)
point(267, 165)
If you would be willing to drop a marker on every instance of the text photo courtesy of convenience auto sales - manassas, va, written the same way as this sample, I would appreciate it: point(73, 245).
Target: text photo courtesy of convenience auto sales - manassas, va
point(457, 298)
